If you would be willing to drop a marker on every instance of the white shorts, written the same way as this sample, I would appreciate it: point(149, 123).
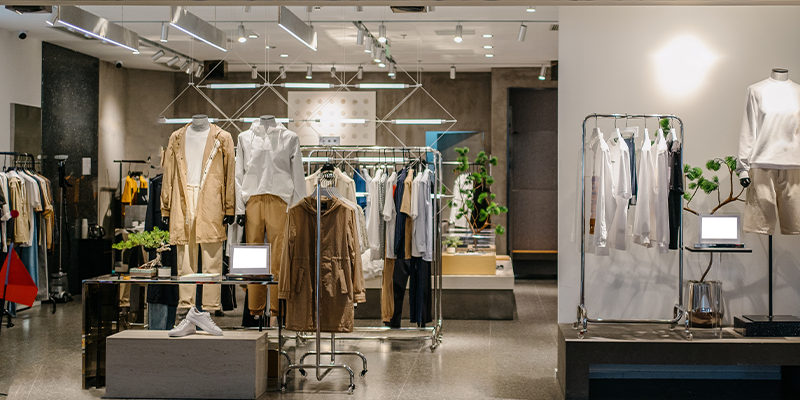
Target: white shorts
point(772, 189)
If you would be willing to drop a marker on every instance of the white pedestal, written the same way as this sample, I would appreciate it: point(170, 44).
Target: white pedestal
point(149, 364)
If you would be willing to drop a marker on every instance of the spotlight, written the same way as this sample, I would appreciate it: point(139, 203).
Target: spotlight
point(53, 18)
point(253, 35)
point(308, 72)
point(368, 45)
point(392, 70)
point(333, 72)
point(487, 35)
point(189, 69)
point(360, 73)
point(543, 73)
point(164, 32)
point(360, 37)
point(458, 37)
point(184, 65)
point(172, 61)
point(158, 55)
point(382, 61)
point(282, 72)
point(247, 9)
point(242, 36)
point(199, 71)
point(522, 30)
point(382, 33)
point(531, 9)
point(453, 72)
point(284, 56)
point(254, 73)
point(376, 56)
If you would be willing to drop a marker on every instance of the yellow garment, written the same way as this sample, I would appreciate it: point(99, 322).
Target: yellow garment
point(142, 182)
point(131, 188)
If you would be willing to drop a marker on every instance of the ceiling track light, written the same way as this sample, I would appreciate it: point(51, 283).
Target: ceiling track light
point(376, 56)
point(184, 65)
point(199, 71)
point(382, 62)
point(360, 73)
point(189, 69)
point(392, 72)
point(172, 61)
point(368, 44)
point(242, 35)
point(164, 32)
point(282, 72)
point(308, 72)
point(531, 9)
point(158, 55)
point(543, 73)
point(333, 72)
point(453, 72)
point(459, 33)
point(522, 30)
point(382, 33)
point(254, 73)
point(197, 28)
point(360, 37)
point(78, 19)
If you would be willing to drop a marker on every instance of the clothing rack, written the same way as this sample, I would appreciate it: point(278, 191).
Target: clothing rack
point(120, 162)
point(679, 311)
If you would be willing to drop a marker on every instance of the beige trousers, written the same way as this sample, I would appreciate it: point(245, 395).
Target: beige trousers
point(265, 218)
point(211, 254)
point(387, 290)
point(772, 197)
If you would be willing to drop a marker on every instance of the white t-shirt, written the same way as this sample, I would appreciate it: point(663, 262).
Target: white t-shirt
point(643, 232)
point(390, 215)
point(621, 170)
point(195, 146)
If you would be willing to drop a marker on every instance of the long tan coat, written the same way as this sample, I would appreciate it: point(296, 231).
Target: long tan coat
point(341, 277)
point(216, 199)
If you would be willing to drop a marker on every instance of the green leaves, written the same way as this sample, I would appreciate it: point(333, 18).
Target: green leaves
point(151, 240)
point(692, 173)
point(713, 165)
point(477, 177)
point(664, 123)
point(499, 229)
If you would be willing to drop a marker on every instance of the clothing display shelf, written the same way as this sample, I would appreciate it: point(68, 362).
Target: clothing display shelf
point(679, 311)
point(353, 156)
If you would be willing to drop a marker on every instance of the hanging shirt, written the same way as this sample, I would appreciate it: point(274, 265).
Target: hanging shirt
point(390, 215)
point(18, 201)
point(643, 229)
point(269, 161)
point(374, 215)
point(33, 197)
point(343, 183)
point(632, 150)
point(421, 212)
point(621, 171)
point(605, 202)
point(129, 191)
point(6, 210)
point(675, 192)
point(360, 180)
point(661, 210)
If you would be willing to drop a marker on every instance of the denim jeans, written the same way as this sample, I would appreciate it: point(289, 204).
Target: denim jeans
point(160, 316)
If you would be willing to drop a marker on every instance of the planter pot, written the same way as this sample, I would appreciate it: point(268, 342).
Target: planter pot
point(451, 250)
point(143, 273)
point(705, 304)
point(164, 272)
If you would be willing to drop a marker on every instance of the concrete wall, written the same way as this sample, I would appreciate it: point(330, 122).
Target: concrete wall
point(697, 63)
point(113, 104)
point(20, 78)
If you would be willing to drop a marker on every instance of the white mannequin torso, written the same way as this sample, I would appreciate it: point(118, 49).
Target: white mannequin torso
point(196, 137)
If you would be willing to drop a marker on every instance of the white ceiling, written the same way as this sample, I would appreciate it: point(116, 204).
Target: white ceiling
point(413, 37)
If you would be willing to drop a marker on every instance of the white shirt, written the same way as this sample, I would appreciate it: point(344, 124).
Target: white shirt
point(606, 204)
point(643, 232)
point(621, 170)
point(343, 183)
point(195, 147)
point(421, 243)
point(374, 213)
point(390, 215)
point(661, 211)
point(769, 136)
point(269, 161)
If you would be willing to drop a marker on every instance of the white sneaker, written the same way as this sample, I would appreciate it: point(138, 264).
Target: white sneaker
point(204, 321)
point(185, 328)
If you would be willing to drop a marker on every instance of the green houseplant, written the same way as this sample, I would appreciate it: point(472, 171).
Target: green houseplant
point(451, 242)
point(481, 182)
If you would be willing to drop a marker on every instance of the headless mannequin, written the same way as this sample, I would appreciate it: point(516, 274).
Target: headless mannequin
point(200, 123)
point(267, 122)
point(780, 75)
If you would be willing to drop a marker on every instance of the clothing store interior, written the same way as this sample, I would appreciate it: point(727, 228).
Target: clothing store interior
point(400, 200)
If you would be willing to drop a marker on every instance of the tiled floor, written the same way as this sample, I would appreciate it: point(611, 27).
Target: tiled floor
point(40, 358)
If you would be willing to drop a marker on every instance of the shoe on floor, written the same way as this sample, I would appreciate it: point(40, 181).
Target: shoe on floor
point(203, 321)
point(185, 328)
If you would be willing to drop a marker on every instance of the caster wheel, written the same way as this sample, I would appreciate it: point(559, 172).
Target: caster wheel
point(302, 372)
point(351, 389)
point(283, 389)
point(364, 372)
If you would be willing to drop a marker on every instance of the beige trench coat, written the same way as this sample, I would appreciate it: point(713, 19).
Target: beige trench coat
point(216, 198)
point(341, 277)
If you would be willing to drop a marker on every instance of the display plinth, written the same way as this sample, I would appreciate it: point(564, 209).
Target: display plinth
point(766, 326)
point(152, 365)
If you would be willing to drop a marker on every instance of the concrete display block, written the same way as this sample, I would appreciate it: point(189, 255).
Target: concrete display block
point(149, 364)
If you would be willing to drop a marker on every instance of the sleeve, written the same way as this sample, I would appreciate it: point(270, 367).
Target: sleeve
point(388, 206)
point(166, 182)
point(286, 282)
point(374, 220)
point(624, 176)
point(7, 205)
point(240, 163)
point(298, 177)
point(229, 158)
point(359, 292)
point(415, 198)
point(747, 136)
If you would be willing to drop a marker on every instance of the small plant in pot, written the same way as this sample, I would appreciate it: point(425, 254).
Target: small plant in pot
point(451, 242)
point(155, 239)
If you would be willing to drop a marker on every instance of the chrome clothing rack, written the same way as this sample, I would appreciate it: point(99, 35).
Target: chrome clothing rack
point(679, 312)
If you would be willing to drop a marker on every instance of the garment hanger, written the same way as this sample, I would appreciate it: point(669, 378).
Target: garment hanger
point(672, 133)
point(647, 140)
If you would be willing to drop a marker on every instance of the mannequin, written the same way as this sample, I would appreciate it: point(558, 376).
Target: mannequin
point(780, 75)
point(267, 121)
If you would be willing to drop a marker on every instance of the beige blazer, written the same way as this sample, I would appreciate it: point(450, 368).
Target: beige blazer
point(216, 198)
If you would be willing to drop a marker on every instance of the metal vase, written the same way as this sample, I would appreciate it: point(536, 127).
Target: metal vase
point(705, 304)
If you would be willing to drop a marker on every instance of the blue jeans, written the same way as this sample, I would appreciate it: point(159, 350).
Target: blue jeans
point(160, 316)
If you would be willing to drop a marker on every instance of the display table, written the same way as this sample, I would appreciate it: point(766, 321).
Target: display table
point(152, 365)
point(101, 318)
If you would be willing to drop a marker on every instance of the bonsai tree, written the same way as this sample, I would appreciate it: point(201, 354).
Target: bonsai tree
point(155, 239)
point(477, 182)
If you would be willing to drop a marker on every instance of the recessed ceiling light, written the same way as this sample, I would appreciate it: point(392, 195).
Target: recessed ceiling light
point(489, 55)
point(284, 55)
point(531, 9)
point(271, 47)
point(487, 47)
point(487, 35)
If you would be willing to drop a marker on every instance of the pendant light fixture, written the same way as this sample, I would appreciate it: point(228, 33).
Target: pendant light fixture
point(333, 72)
point(522, 30)
point(184, 65)
point(360, 37)
point(308, 72)
point(543, 73)
point(254, 73)
point(242, 35)
point(360, 73)
point(199, 71)
point(382, 33)
point(368, 45)
point(453, 72)
point(392, 70)
point(164, 32)
point(382, 60)
point(282, 72)
point(158, 55)
point(376, 53)
point(458, 38)
point(189, 69)
point(172, 61)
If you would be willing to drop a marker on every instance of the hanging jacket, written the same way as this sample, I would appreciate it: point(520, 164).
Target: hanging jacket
point(216, 199)
point(341, 275)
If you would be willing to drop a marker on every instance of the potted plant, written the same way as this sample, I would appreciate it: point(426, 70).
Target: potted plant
point(155, 239)
point(451, 242)
point(705, 297)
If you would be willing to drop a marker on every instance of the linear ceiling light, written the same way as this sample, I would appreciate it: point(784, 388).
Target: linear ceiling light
point(164, 32)
point(254, 35)
point(199, 72)
point(158, 55)
point(172, 61)
point(306, 85)
point(418, 121)
point(360, 73)
point(233, 86)
point(543, 73)
point(459, 35)
point(382, 86)
point(282, 72)
point(308, 72)
point(382, 33)
point(343, 121)
point(197, 28)
point(96, 27)
point(522, 30)
point(487, 35)
point(360, 37)
point(242, 36)
point(453, 72)
point(297, 28)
